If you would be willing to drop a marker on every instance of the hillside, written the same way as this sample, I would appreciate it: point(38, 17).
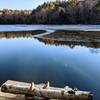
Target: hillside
point(68, 12)
point(58, 12)
point(8, 16)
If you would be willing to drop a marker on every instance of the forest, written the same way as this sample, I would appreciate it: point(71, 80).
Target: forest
point(8, 16)
point(58, 12)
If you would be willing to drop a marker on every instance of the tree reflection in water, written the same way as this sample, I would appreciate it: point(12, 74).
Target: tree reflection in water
point(19, 34)
point(93, 50)
point(72, 38)
point(71, 44)
point(69, 39)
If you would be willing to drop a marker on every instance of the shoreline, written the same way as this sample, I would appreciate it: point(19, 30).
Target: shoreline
point(94, 28)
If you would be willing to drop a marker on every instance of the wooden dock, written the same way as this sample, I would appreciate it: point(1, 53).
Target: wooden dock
point(14, 90)
point(8, 96)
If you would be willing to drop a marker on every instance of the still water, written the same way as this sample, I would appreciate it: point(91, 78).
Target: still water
point(28, 59)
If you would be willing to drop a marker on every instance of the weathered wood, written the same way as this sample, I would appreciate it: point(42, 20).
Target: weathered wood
point(9, 96)
point(43, 90)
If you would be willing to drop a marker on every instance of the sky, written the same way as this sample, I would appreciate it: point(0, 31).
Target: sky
point(21, 4)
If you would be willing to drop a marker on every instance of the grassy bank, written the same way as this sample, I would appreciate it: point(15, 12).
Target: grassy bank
point(73, 34)
point(82, 36)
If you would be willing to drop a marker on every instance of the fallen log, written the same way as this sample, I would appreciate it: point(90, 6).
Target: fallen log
point(45, 91)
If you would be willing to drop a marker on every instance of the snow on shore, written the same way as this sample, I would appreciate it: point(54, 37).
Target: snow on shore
point(49, 27)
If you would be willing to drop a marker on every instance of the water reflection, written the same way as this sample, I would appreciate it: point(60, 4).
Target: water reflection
point(72, 38)
point(95, 51)
point(19, 34)
point(71, 44)
point(28, 59)
point(54, 39)
point(15, 34)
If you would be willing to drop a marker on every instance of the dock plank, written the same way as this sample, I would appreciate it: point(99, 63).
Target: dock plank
point(38, 91)
point(8, 96)
point(17, 83)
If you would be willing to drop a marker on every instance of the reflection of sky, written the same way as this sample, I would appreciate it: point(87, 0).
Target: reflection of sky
point(29, 60)
point(21, 4)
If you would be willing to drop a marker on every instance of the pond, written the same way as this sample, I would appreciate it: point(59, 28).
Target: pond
point(75, 64)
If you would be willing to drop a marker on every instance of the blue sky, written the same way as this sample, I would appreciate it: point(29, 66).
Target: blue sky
point(21, 4)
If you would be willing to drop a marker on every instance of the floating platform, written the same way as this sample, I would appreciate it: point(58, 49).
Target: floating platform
point(21, 91)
